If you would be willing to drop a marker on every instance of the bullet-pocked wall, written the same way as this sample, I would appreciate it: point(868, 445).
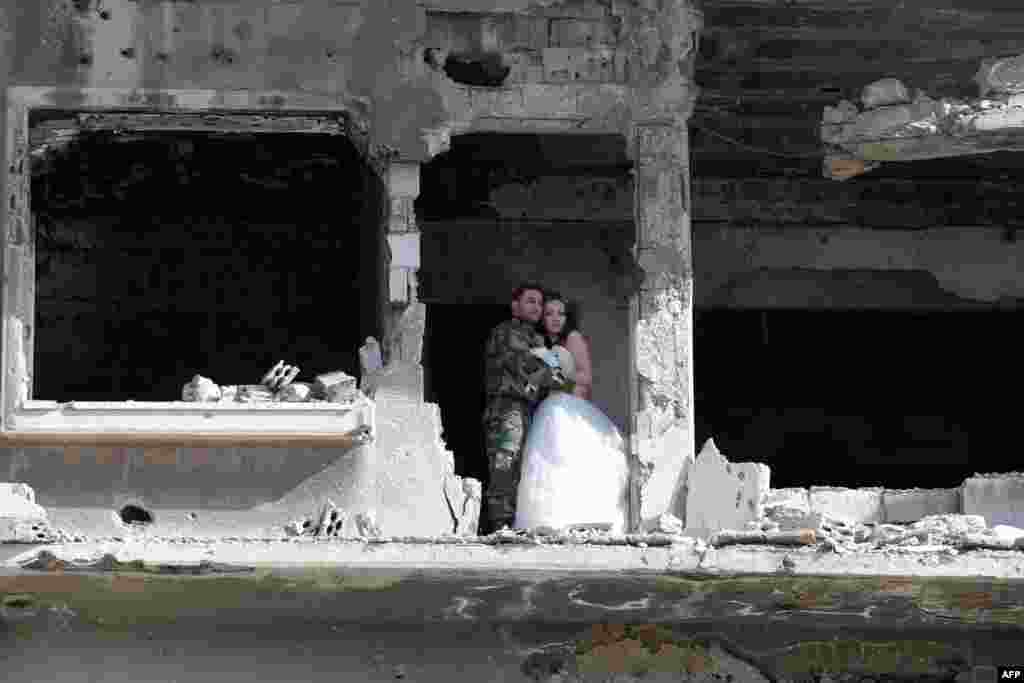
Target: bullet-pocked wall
point(486, 227)
point(160, 256)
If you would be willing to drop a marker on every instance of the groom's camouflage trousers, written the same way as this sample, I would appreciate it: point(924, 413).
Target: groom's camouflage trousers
point(506, 421)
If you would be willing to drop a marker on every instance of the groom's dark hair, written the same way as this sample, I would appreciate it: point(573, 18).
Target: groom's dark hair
point(517, 293)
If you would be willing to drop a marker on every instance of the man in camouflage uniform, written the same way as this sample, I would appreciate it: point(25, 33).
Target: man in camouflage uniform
point(516, 381)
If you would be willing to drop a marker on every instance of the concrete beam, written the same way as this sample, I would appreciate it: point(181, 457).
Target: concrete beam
point(975, 265)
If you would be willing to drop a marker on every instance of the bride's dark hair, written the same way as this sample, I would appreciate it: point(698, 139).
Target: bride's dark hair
point(571, 319)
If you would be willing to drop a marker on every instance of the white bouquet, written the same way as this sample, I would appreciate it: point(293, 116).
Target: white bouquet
point(550, 359)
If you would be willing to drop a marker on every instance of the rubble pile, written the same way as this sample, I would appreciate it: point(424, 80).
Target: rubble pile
point(945, 532)
point(333, 522)
point(277, 386)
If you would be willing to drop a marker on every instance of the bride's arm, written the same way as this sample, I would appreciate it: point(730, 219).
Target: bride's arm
point(577, 346)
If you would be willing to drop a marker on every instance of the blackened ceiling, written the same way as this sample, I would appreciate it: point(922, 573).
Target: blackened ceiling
point(767, 68)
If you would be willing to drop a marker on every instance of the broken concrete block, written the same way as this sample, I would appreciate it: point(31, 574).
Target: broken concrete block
point(1001, 75)
point(371, 362)
point(17, 489)
point(366, 523)
point(947, 528)
point(849, 505)
point(254, 393)
point(469, 519)
point(723, 495)
point(22, 520)
point(910, 505)
point(228, 392)
point(1006, 532)
point(279, 376)
point(668, 524)
point(884, 92)
point(790, 509)
point(336, 387)
point(200, 389)
point(660, 476)
point(296, 392)
point(999, 498)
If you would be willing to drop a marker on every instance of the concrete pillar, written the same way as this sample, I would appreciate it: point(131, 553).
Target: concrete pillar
point(662, 439)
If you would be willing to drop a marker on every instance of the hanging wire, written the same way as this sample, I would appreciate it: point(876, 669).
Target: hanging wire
point(752, 148)
point(739, 143)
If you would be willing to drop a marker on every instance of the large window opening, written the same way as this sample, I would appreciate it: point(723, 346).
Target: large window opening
point(164, 255)
point(891, 399)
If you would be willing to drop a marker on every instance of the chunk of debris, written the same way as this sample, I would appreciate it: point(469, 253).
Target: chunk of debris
point(366, 523)
point(279, 376)
point(228, 392)
point(200, 389)
point(254, 393)
point(1001, 75)
point(884, 92)
point(371, 364)
point(337, 387)
point(723, 494)
point(22, 520)
point(668, 523)
point(296, 392)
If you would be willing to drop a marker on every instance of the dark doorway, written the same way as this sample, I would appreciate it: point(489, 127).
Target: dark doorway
point(859, 398)
point(161, 256)
point(453, 360)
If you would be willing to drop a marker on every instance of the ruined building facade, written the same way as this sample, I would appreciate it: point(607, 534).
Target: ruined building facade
point(197, 187)
point(97, 93)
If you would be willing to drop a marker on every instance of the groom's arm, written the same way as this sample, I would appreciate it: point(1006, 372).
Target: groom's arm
point(522, 373)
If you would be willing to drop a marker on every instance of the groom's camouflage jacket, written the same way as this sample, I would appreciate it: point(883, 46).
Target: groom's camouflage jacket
point(512, 371)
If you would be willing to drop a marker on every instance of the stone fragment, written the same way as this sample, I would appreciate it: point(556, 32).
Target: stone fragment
point(1006, 532)
point(946, 529)
point(660, 475)
point(983, 541)
point(790, 509)
point(22, 520)
point(253, 393)
point(668, 523)
point(723, 495)
point(842, 112)
point(366, 523)
point(469, 519)
point(296, 392)
point(884, 92)
point(279, 376)
point(1001, 75)
point(336, 387)
point(910, 505)
point(371, 362)
point(228, 392)
point(848, 505)
point(200, 389)
point(17, 489)
point(999, 498)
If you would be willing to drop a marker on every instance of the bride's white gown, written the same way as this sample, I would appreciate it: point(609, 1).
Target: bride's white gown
point(574, 464)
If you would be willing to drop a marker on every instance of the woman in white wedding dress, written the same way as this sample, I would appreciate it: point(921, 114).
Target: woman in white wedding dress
point(574, 461)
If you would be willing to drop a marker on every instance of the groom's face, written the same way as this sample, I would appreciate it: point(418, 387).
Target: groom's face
point(529, 306)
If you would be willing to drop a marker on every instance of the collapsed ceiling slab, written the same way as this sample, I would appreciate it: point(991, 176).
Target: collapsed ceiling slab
point(892, 125)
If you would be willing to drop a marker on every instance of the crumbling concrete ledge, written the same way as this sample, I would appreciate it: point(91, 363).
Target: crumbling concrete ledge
point(688, 556)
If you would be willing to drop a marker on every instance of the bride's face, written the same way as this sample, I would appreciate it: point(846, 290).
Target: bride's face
point(554, 317)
